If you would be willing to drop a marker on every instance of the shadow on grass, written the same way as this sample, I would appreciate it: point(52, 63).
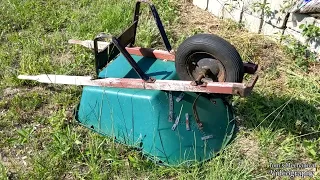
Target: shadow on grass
point(292, 115)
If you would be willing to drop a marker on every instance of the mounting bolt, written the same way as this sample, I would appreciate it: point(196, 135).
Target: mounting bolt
point(213, 101)
point(203, 84)
point(151, 80)
point(193, 83)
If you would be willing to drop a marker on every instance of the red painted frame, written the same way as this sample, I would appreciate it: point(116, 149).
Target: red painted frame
point(240, 89)
point(147, 52)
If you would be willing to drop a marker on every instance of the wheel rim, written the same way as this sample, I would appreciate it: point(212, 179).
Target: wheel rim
point(199, 61)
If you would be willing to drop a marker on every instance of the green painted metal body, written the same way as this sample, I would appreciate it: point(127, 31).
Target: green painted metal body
point(139, 118)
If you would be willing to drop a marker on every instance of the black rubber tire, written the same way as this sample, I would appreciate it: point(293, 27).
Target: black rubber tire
point(216, 47)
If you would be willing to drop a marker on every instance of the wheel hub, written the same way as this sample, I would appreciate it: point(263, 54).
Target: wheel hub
point(202, 61)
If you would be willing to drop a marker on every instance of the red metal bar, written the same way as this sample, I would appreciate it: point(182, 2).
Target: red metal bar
point(147, 52)
point(168, 85)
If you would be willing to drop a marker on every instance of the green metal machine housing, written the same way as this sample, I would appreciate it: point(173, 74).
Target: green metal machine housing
point(140, 118)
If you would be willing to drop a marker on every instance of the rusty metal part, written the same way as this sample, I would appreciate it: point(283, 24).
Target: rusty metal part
point(250, 68)
point(221, 75)
point(198, 81)
point(195, 113)
point(151, 80)
point(199, 61)
point(216, 69)
point(147, 52)
point(206, 80)
point(245, 90)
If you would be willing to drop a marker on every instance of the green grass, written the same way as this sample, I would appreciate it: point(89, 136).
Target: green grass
point(279, 122)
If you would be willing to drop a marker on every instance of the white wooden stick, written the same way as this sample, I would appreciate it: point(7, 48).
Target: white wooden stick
point(89, 43)
point(59, 79)
point(166, 85)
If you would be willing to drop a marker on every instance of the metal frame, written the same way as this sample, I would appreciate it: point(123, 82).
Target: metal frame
point(201, 85)
point(127, 38)
point(156, 18)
